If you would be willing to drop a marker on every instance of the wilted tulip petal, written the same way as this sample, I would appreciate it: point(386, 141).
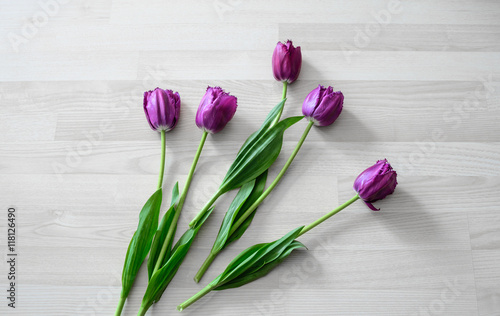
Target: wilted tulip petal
point(376, 182)
point(162, 108)
point(323, 105)
point(216, 109)
point(287, 61)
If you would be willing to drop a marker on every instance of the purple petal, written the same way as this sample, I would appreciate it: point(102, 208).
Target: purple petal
point(286, 62)
point(162, 109)
point(216, 109)
point(376, 182)
point(370, 205)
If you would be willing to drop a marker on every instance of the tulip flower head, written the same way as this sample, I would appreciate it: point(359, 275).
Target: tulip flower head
point(216, 109)
point(375, 183)
point(162, 108)
point(287, 61)
point(323, 105)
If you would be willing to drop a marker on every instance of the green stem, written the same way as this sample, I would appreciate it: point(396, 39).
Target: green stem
point(206, 207)
point(207, 289)
point(285, 86)
point(191, 171)
point(173, 225)
point(274, 183)
point(162, 166)
point(142, 311)
point(283, 97)
point(328, 215)
point(119, 308)
point(205, 266)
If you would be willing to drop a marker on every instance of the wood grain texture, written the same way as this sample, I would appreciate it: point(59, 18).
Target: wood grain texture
point(422, 88)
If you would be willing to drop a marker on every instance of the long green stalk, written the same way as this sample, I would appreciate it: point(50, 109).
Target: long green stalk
point(119, 308)
point(162, 164)
point(207, 289)
point(328, 215)
point(171, 230)
point(283, 97)
point(206, 264)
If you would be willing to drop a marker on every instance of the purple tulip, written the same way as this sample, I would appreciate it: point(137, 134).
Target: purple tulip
point(287, 61)
point(216, 109)
point(323, 105)
point(162, 108)
point(376, 182)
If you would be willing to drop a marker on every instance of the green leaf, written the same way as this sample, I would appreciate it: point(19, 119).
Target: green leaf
point(246, 196)
point(232, 212)
point(251, 263)
point(258, 154)
point(141, 241)
point(265, 125)
point(175, 194)
point(161, 233)
point(260, 185)
point(251, 276)
point(160, 280)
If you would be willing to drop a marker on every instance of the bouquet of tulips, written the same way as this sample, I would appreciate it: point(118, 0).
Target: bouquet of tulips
point(248, 173)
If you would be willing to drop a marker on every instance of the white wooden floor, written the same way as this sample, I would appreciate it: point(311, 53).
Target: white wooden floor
point(78, 160)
